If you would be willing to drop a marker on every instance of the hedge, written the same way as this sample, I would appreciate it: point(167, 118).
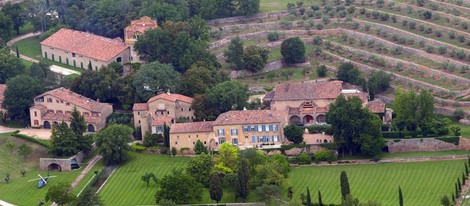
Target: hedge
point(412, 134)
point(30, 139)
point(328, 129)
point(450, 139)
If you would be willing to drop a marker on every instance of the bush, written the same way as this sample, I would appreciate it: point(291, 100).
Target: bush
point(273, 36)
point(328, 129)
point(459, 114)
point(321, 71)
point(304, 158)
point(329, 146)
point(328, 156)
point(138, 147)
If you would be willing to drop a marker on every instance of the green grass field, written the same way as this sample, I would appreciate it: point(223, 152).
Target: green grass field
point(277, 5)
point(423, 183)
point(29, 47)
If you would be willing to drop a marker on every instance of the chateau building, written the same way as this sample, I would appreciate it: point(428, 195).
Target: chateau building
point(84, 50)
point(136, 29)
point(55, 106)
point(163, 109)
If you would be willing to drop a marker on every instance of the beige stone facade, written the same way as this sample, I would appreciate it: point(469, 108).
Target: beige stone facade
point(160, 110)
point(136, 29)
point(55, 106)
point(244, 129)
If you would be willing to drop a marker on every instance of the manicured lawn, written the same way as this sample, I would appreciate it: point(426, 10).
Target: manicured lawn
point(19, 191)
point(423, 183)
point(98, 166)
point(465, 130)
point(29, 47)
point(424, 154)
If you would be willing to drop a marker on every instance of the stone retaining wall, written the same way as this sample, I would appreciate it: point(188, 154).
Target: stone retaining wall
point(418, 145)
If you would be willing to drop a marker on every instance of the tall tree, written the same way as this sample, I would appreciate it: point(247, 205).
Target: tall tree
point(199, 167)
point(179, 187)
point(345, 191)
point(60, 193)
point(309, 198)
point(243, 174)
point(293, 50)
point(413, 111)
point(228, 158)
point(199, 78)
point(199, 148)
point(400, 196)
point(24, 150)
point(347, 72)
point(215, 186)
point(248, 7)
point(5, 26)
point(378, 82)
point(235, 52)
point(78, 127)
point(112, 143)
point(10, 66)
point(63, 141)
point(228, 95)
point(294, 133)
point(153, 78)
point(19, 96)
point(255, 58)
point(17, 13)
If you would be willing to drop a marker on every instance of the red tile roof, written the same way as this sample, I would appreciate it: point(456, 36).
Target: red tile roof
point(308, 90)
point(171, 97)
point(250, 117)
point(86, 44)
point(140, 107)
point(75, 99)
point(191, 127)
point(2, 91)
point(58, 117)
point(140, 26)
point(161, 120)
point(376, 106)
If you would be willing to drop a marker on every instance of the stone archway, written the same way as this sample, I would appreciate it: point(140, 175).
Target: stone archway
point(294, 119)
point(54, 167)
point(47, 125)
point(91, 128)
point(321, 118)
point(308, 119)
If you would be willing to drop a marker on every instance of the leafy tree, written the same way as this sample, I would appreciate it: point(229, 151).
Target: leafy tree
point(10, 66)
point(199, 148)
point(199, 78)
point(149, 176)
point(267, 193)
point(151, 140)
point(248, 7)
point(25, 150)
point(293, 50)
point(228, 158)
point(347, 72)
point(179, 187)
point(17, 14)
point(255, 58)
point(235, 53)
point(78, 127)
point(378, 82)
point(309, 199)
point(345, 191)
point(112, 143)
point(294, 133)
point(88, 197)
point(153, 78)
point(102, 84)
point(427, 14)
point(63, 141)
point(60, 193)
point(400, 196)
point(215, 186)
point(5, 25)
point(413, 111)
point(359, 135)
point(321, 71)
point(243, 174)
point(228, 95)
point(273, 36)
point(43, 74)
point(199, 167)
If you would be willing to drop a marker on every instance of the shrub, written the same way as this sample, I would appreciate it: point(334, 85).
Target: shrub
point(321, 71)
point(173, 151)
point(459, 114)
point(273, 36)
point(328, 129)
point(304, 158)
point(137, 147)
point(328, 156)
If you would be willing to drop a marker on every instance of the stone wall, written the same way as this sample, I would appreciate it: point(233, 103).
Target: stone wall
point(65, 164)
point(417, 145)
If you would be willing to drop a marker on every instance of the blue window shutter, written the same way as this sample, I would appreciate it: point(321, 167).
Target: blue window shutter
point(267, 138)
point(253, 139)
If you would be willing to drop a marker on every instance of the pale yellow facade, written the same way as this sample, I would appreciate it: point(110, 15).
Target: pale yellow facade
point(188, 140)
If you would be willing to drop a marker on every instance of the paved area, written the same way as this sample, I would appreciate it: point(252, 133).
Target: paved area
point(90, 165)
point(62, 70)
point(38, 133)
point(3, 203)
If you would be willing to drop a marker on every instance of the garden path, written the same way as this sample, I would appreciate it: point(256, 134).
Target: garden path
point(85, 171)
point(3, 203)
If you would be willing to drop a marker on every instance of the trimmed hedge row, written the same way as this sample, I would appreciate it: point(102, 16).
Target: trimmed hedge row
point(28, 138)
point(450, 139)
point(328, 129)
point(413, 134)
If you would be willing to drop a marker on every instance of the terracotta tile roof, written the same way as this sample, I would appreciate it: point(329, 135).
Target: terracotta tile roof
point(161, 120)
point(250, 117)
point(191, 127)
point(294, 110)
point(3, 87)
point(140, 26)
point(86, 44)
point(308, 90)
point(58, 117)
point(39, 106)
point(171, 97)
point(140, 107)
point(75, 99)
point(376, 106)
point(269, 95)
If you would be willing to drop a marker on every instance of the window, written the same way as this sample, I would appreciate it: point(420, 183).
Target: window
point(220, 132)
point(35, 113)
point(139, 121)
point(194, 142)
point(271, 127)
point(253, 139)
point(68, 112)
point(50, 111)
point(189, 136)
point(119, 59)
point(95, 114)
point(67, 104)
point(263, 128)
point(246, 137)
point(205, 142)
point(86, 114)
point(277, 127)
point(233, 132)
point(51, 48)
point(57, 101)
point(222, 140)
point(59, 112)
point(252, 128)
point(167, 112)
point(246, 128)
point(176, 143)
point(49, 99)
point(267, 138)
point(138, 113)
point(182, 109)
point(235, 141)
point(62, 101)
point(36, 122)
point(73, 54)
point(275, 138)
point(66, 52)
point(189, 109)
point(259, 128)
point(197, 136)
point(256, 128)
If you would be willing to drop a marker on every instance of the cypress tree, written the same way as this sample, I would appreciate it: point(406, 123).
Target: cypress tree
point(89, 66)
point(320, 201)
point(466, 168)
point(463, 178)
point(457, 190)
point(468, 159)
point(400, 196)
point(459, 184)
point(309, 199)
point(243, 179)
point(344, 185)
point(453, 197)
point(17, 53)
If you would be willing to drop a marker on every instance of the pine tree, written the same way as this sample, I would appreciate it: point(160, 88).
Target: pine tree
point(320, 201)
point(78, 127)
point(400, 196)
point(215, 187)
point(309, 198)
point(344, 185)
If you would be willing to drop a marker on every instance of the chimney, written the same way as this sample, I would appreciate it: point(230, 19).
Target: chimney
point(168, 92)
point(244, 108)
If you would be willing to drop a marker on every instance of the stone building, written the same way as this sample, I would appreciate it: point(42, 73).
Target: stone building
point(55, 106)
point(84, 50)
point(243, 128)
point(136, 29)
point(160, 110)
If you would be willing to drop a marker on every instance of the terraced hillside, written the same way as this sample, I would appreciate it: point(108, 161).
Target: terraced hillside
point(423, 45)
